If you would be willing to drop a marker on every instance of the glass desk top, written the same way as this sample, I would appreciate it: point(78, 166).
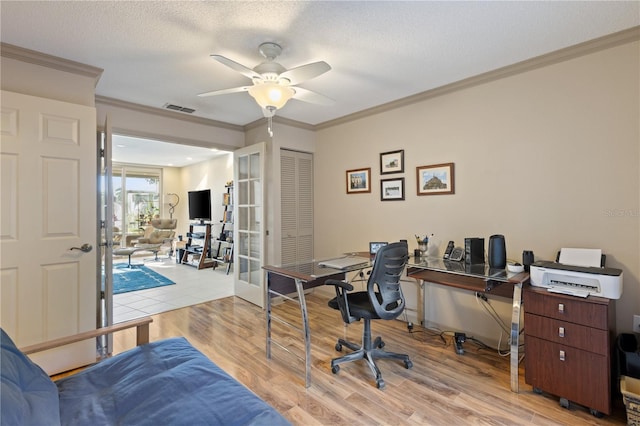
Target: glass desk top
point(312, 269)
point(481, 270)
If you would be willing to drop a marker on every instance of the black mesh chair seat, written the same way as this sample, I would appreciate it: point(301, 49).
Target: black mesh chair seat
point(359, 305)
point(383, 299)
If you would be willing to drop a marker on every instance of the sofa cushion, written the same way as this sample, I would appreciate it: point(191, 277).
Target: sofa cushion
point(28, 395)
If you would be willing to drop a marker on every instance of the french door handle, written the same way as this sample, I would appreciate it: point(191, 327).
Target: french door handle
point(85, 248)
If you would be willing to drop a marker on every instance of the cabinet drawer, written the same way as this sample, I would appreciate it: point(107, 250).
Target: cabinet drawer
point(588, 312)
point(580, 376)
point(567, 333)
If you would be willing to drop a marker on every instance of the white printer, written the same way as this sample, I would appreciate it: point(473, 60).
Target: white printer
point(578, 273)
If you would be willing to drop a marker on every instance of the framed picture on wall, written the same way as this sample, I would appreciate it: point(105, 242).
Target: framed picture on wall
point(358, 180)
point(392, 189)
point(392, 162)
point(436, 179)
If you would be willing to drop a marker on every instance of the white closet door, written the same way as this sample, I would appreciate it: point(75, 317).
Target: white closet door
point(296, 177)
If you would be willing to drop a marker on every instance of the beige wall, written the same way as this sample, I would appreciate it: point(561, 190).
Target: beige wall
point(549, 158)
point(211, 174)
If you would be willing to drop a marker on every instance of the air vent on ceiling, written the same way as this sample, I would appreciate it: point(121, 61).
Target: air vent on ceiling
point(179, 108)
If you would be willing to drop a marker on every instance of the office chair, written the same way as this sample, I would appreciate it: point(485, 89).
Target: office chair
point(383, 299)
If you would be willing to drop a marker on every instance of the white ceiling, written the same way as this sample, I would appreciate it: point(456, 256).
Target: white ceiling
point(157, 52)
point(132, 150)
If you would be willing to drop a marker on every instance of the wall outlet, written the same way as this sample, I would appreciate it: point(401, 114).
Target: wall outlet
point(636, 323)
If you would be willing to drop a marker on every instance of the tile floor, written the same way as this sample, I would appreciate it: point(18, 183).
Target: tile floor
point(192, 286)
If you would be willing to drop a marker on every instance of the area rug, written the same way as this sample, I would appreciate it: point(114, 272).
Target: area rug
point(138, 277)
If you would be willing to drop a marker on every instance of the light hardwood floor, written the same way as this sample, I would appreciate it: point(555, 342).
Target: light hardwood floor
point(442, 388)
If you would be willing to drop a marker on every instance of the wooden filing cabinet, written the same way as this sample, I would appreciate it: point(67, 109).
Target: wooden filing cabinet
point(568, 347)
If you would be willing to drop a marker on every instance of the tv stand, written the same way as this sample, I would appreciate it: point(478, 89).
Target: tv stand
point(198, 255)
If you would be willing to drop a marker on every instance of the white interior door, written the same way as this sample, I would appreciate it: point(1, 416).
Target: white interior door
point(249, 223)
point(48, 193)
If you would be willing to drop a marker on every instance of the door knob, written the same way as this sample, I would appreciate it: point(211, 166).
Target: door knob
point(85, 248)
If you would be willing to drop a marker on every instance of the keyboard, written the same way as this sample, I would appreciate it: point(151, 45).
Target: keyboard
point(344, 262)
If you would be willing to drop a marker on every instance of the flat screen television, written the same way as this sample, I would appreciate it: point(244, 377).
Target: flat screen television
point(200, 205)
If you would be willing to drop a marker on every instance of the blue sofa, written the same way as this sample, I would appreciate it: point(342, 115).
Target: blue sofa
point(167, 382)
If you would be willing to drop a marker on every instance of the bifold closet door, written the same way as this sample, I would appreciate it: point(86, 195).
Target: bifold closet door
point(296, 180)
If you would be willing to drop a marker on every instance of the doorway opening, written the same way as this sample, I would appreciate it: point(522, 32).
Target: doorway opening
point(149, 179)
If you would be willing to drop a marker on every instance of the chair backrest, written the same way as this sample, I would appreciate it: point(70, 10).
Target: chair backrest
point(383, 285)
point(164, 223)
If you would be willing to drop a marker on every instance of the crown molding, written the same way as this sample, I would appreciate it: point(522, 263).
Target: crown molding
point(49, 61)
point(165, 113)
point(622, 37)
point(280, 120)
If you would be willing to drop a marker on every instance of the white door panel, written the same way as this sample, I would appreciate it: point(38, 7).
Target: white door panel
point(48, 206)
point(249, 223)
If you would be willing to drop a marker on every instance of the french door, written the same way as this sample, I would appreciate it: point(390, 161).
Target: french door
point(249, 224)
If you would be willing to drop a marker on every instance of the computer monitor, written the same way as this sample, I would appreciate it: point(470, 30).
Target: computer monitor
point(374, 246)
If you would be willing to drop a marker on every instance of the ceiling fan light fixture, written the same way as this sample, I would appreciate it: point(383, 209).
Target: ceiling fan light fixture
point(271, 94)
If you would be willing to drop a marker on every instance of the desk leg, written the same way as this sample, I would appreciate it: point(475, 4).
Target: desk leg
point(515, 335)
point(267, 304)
point(306, 331)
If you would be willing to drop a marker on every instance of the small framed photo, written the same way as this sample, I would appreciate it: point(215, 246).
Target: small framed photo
point(392, 162)
point(358, 180)
point(392, 189)
point(436, 179)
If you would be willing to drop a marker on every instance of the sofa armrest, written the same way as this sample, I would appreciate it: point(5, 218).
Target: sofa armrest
point(142, 335)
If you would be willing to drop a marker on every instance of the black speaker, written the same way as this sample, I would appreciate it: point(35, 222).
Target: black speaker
point(497, 252)
point(527, 259)
point(474, 250)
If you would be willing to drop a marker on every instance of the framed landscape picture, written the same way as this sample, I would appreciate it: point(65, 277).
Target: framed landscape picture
point(358, 180)
point(392, 162)
point(436, 179)
point(392, 189)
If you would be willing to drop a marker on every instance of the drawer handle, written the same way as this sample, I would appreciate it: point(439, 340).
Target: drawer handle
point(560, 331)
point(561, 308)
point(562, 355)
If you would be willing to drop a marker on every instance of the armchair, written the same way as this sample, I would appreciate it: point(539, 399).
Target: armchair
point(383, 299)
point(163, 233)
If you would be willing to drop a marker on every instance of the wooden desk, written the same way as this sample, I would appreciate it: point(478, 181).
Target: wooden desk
point(476, 278)
point(287, 279)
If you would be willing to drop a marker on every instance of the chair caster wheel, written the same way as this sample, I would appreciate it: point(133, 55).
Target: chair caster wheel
point(381, 344)
point(537, 390)
point(408, 364)
point(564, 403)
point(338, 347)
point(596, 413)
point(335, 369)
point(380, 383)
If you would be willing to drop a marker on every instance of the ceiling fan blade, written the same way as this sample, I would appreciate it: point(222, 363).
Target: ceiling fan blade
point(306, 95)
point(225, 91)
point(305, 72)
point(247, 72)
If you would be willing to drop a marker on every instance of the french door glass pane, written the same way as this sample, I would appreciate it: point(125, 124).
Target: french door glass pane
point(243, 167)
point(243, 191)
point(254, 170)
point(255, 272)
point(242, 243)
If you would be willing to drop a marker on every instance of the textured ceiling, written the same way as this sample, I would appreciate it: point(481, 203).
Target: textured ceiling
point(155, 53)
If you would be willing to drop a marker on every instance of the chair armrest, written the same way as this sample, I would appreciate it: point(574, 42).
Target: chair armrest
point(343, 284)
point(142, 335)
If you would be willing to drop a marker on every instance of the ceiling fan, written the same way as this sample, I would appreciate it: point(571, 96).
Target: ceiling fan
point(273, 85)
